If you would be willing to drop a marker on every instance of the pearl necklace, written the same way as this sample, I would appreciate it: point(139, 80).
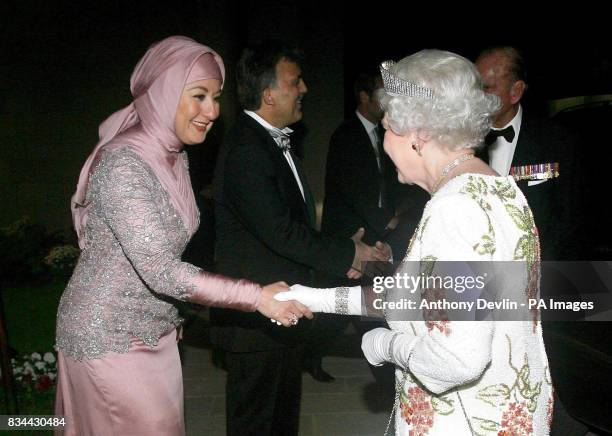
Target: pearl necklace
point(450, 166)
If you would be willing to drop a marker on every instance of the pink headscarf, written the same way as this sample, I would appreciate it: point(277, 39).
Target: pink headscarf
point(147, 124)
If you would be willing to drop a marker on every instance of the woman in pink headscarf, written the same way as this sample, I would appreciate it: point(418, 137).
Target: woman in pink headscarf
point(134, 212)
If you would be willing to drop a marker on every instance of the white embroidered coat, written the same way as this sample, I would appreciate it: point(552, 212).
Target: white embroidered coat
point(475, 377)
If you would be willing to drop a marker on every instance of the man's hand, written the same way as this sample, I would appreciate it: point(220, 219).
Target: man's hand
point(363, 253)
point(393, 222)
point(379, 268)
point(385, 249)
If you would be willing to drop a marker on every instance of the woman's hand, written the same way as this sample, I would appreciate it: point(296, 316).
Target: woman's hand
point(286, 312)
point(342, 300)
point(375, 345)
point(317, 300)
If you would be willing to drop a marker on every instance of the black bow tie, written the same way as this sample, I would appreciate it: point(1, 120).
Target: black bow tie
point(507, 133)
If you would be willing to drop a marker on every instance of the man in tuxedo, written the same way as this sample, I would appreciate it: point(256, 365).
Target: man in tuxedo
point(360, 180)
point(542, 158)
point(360, 186)
point(538, 153)
point(265, 223)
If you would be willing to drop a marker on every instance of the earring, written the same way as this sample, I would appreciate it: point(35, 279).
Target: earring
point(416, 148)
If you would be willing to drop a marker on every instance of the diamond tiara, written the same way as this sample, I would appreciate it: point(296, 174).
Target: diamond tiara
point(396, 86)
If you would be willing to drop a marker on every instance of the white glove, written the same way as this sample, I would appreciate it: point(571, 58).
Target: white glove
point(383, 345)
point(375, 345)
point(345, 301)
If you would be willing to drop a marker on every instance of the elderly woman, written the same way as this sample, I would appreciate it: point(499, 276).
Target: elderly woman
point(134, 212)
point(454, 377)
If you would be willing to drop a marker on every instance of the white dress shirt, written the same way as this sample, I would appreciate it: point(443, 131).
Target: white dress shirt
point(501, 152)
point(371, 129)
point(286, 153)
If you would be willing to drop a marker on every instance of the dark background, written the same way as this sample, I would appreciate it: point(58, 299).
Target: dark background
point(65, 67)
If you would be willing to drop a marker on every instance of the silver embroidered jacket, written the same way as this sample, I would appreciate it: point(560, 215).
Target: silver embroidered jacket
point(130, 270)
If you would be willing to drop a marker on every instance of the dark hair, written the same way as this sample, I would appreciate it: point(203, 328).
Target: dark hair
point(256, 70)
point(366, 81)
point(516, 69)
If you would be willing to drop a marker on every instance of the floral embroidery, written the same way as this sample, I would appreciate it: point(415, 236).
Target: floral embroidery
point(503, 190)
point(517, 417)
point(526, 245)
point(416, 409)
point(418, 234)
point(427, 265)
point(435, 318)
point(527, 249)
point(516, 421)
point(423, 227)
point(477, 189)
point(532, 291)
point(443, 326)
point(443, 405)
point(549, 411)
point(488, 242)
point(485, 426)
point(496, 395)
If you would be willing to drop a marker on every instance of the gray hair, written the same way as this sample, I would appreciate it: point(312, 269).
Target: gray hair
point(516, 61)
point(459, 114)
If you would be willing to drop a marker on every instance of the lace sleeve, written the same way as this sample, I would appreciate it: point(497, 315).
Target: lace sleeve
point(129, 198)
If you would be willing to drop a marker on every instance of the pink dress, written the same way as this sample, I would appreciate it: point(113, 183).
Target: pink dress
point(119, 369)
point(134, 393)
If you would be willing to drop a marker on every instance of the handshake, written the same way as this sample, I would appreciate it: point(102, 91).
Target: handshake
point(379, 252)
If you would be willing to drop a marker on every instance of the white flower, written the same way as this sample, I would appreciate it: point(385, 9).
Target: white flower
point(31, 367)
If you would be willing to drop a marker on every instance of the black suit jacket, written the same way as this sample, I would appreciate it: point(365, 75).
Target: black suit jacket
point(555, 203)
point(353, 183)
point(265, 233)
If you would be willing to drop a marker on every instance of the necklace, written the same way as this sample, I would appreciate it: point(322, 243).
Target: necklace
point(450, 166)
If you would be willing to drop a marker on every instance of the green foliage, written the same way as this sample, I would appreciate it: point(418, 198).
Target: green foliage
point(62, 259)
point(30, 313)
point(23, 247)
